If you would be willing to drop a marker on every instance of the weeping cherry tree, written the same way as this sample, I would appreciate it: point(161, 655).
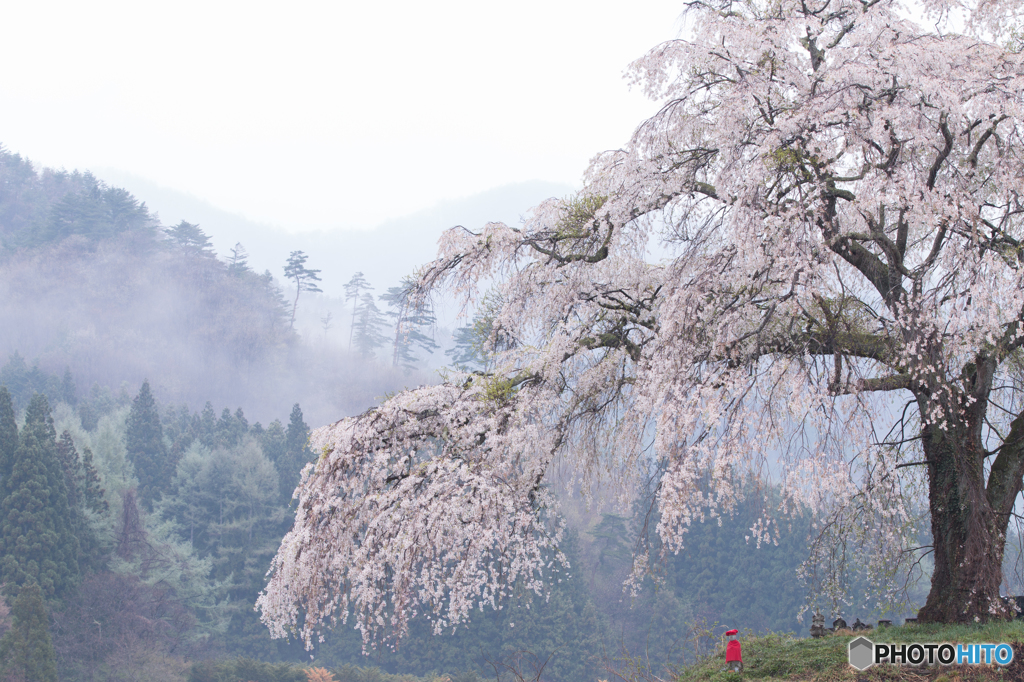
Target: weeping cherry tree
point(840, 191)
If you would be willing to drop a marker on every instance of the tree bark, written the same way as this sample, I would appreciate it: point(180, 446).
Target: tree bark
point(968, 534)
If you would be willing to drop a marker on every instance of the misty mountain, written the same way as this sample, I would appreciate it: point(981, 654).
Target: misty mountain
point(92, 279)
point(385, 254)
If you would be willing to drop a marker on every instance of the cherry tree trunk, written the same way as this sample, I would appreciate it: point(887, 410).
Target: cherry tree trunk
point(968, 536)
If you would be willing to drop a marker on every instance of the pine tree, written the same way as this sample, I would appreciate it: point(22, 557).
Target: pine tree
point(144, 444)
point(411, 318)
point(26, 651)
point(353, 288)
point(297, 452)
point(368, 327)
point(37, 535)
point(474, 343)
point(305, 279)
point(238, 263)
point(188, 237)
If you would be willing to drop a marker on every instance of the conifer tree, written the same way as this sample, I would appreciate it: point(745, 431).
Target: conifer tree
point(297, 436)
point(144, 441)
point(368, 327)
point(37, 537)
point(238, 263)
point(190, 239)
point(26, 651)
point(68, 390)
point(297, 452)
point(274, 441)
point(305, 279)
point(207, 428)
point(411, 318)
point(95, 495)
point(76, 480)
point(8, 439)
point(353, 289)
point(231, 428)
point(71, 464)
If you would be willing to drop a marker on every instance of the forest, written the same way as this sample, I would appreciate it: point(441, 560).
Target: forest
point(137, 531)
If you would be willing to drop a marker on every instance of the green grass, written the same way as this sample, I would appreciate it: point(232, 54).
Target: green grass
point(782, 657)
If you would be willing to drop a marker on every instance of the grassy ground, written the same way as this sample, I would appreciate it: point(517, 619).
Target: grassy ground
point(780, 658)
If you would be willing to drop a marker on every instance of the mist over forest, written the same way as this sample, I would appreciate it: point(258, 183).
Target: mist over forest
point(92, 280)
point(158, 365)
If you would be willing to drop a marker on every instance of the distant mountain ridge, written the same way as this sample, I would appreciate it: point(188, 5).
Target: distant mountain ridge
point(384, 254)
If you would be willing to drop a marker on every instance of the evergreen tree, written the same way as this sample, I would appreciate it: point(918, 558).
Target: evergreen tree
point(353, 289)
point(231, 428)
point(227, 435)
point(95, 496)
point(77, 479)
point(274, 443)
point(144, 444)
point(26, 651)
point(24, 382)
point(368, 327)
point(68, 390)
point(475, 342)
point(180, 429)
point(88, 415)
point(411, 318)
point(238, 263)
point(188, 237)
point(71, 464)
point(8, 440)
point(207, 428)
point(611, 539)
point(95, 211)
point(227, 506)
point(296, 453)
point(304, 278)
point(37, 535)
point(241, 423)
point(466, 351)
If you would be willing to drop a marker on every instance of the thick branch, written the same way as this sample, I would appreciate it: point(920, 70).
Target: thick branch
point(1004, 481)
point(892, 382)
point(941, 158)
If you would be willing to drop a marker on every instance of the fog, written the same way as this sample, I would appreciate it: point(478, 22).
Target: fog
point(123, 303)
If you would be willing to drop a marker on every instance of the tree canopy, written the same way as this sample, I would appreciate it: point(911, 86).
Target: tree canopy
point(304, 278)
point(37, 524)
point(26, 651)
point(838, 188)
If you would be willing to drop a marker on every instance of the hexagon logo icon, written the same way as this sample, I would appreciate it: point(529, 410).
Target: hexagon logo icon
point(861, 653)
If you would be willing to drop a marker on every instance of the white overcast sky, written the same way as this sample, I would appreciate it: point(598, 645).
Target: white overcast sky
point(325, 114)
